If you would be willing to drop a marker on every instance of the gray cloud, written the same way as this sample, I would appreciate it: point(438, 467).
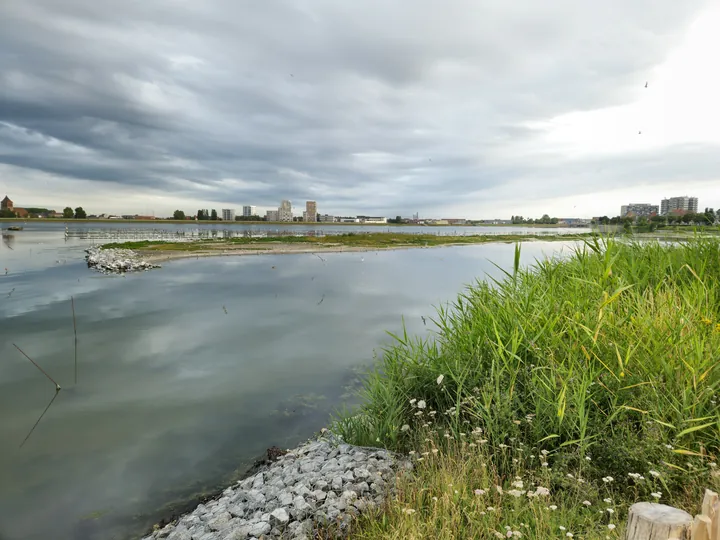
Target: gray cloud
point(370, 106)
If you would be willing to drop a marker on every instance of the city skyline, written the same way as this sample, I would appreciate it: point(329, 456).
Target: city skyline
point(439, 122)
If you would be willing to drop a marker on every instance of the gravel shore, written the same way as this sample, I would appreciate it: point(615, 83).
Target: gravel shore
point(324, 483)
point(116, 261)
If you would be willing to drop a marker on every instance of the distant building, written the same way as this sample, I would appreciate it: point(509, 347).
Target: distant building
point(271, 215)
point(310, 213)
point(639, 210)
point(326, 218)
point(7, 204)
point(249, 211)
point(371, 219)
point(285, 211)
point(455, 221)
point(228, 214)
point(348, 220)
point(679, 205)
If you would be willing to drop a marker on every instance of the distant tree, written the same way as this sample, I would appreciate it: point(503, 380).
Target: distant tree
point(68, 213)
point(688, 218)
point(717, 214)
point(642, 221)
point(178, 214)
point(5, 213)
point(554, 221)
point(710, 213)
point(213, 215)
point(80, 213)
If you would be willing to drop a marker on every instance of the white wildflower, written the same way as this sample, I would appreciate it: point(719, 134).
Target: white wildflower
point(421, 404)
point(408, 511)
point(518, 484)
point(553, 507)
point(608, 500)
point(587, 503)
point(610, 510)
point(480, 492)
point(655, 473)
point(516, 493)
point(413, 401)
point(405, 427)
point(656, 494)
point(440, 379)
point(611, 526)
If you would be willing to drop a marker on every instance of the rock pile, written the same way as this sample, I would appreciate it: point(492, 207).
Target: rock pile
point(116, 261)
point(324, 483)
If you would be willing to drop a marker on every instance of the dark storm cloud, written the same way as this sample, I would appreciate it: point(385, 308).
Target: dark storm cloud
point(370, 105)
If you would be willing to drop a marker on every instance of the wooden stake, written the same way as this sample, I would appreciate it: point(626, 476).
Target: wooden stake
point(72, 301)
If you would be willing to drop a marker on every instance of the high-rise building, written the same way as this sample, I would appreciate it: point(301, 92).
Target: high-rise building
point(679, 205)
point(285, 211)
point(638, 210)
point(271, 215)
point(249, 210)
point(310, 211)
point(228, 214)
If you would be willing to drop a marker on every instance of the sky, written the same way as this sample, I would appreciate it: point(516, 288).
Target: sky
point(461, 108)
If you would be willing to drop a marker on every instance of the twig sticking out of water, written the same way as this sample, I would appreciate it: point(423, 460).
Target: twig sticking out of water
point(225, 310)
point(72, 301)
point(57, 391)
point(10, 293)
point(423, 319)
point(319, 257)
point(57, 386)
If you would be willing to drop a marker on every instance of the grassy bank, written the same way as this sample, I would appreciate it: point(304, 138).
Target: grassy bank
point(551, 400)
point(364, 240)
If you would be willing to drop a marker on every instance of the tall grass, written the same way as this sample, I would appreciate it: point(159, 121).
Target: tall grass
point(606, 363)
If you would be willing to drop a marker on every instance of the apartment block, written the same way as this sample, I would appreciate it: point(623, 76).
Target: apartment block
point(679, 205)
point(271, 215)
point(228, 214)
point(638, 210)
point(327, 218)
point(310, 213)
point(285, 211)
point(249, 210)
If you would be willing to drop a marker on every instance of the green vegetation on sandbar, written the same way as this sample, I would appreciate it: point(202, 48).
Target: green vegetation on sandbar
point(368, 240)
point(550, 400)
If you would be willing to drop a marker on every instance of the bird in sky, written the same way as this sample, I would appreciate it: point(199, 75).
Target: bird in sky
point(646, 84)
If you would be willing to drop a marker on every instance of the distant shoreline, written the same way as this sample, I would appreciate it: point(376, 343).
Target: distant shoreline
point(284, 223)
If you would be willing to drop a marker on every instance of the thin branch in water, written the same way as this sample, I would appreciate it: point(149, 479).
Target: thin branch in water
point(57, 386)
point(225, 310)
point(10, 293)
point(57, 391)
point(319, 257)
point(72, 301)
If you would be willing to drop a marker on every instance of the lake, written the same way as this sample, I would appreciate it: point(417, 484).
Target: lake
point(188, 373)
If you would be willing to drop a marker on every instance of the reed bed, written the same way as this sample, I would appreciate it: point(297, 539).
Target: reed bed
point(550, 400)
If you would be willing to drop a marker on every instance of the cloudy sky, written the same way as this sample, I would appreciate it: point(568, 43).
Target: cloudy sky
point(475, 108)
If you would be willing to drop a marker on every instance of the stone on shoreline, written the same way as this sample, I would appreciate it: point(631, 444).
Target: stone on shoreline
point(294, 495)
point(116, 261)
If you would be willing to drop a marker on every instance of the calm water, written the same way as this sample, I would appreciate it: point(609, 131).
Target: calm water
point(187, 373)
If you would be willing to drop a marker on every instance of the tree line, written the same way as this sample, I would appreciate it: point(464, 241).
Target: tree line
point(708, 217)
point(545, 220)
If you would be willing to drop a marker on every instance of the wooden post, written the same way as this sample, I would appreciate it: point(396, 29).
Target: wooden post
point(652, 521)
point(707, 525)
